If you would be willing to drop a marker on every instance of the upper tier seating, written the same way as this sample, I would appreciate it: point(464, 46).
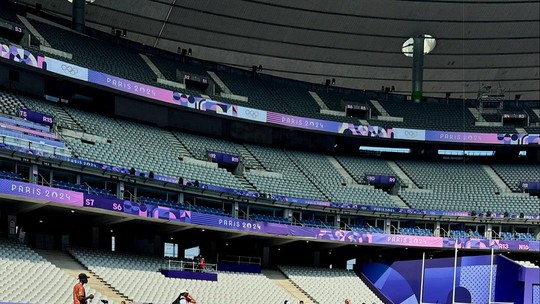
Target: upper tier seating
point(275, 95)
point(21, 133)
point(330, 285)
point(460, 187)
point(138, 278)
point(96, 54)
point(328, 178)
point(451, 176)
point(168, 67)
point(293, 182)
point(514, 174)
point(254, 89)
point(433, 116)
point(143, 147)
point(61, 117)
point(479, 202)
point(126, 144)
point(23, 273)
point(430, 115)
point(10, 104)
point(199, 145)
point(334, 100)
point(298, 101)
point(358, 167)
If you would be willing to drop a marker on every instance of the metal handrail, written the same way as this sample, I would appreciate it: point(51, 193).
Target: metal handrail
point(445, 233)
point(44, 181)
point(396, 230)
point(242, 214)
point(131, 195)
point(190, 265)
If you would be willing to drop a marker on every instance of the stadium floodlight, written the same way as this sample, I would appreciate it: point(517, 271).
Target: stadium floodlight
point(429, 44)
point(87, 1)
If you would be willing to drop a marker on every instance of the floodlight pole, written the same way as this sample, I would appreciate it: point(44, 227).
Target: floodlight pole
point(418, 68)
point(491, 274)
point(422, 277)
point(77, 15)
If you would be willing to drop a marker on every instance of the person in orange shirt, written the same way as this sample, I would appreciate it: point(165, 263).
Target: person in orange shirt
point(79, 294)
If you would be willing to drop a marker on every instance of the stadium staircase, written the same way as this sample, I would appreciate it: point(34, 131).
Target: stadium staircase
point(319, 101)
point(341, 170)
point(496, 179)
point(180, 145)
point(61, 116)
point(477, 114)
point(250, 161)
point(301, 167)
point(152, 66)
point(403, 177)
point(34, 32)
point(380, 108)
point(219, 82)
point(294, 290)
point(399, 202)
point(536, 112)
point(245, 183)
point(72, 267)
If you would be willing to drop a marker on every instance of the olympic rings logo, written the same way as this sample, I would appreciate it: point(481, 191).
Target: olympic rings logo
point(410, 133)
point(69, 69)
point(251, 113)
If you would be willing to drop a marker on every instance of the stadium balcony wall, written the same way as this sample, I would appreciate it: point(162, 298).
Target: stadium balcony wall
point(232, 111)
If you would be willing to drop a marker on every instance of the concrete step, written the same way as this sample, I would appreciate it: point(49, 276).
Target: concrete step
point(282, 281)
point(247, 185)
point(152, 66)
point(399, 202)
point(72, 267)
point(497, 179)
point(537, 112)
point(403, 177)
point(379, 107)
point(319, 101)
point(181, 146)
point(249, 159)
point(34, 31)
point(341, 170)
point(219, 82)
point(476, 114)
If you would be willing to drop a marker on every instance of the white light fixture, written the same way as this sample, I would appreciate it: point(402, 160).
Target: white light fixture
point(87, 1)
point(429, 44)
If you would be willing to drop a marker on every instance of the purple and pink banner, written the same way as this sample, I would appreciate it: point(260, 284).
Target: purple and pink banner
point(20, 55)
point(256, 194)
point(180, 214)
point(28, 131)
point(530, 185)
point(184, 215)
point(42, 193)
point(37, 117)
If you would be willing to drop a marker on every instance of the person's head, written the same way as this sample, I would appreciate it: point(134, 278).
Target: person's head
point(301, 302)
point(184, 292)
point(83, 278)
point(347, 301)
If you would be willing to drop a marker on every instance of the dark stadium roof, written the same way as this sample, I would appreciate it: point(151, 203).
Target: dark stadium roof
point(495, 42)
